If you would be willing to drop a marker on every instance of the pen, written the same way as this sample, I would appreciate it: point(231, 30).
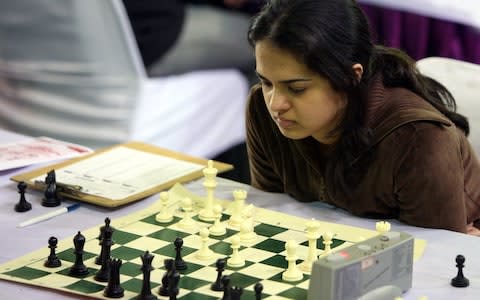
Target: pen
point(49, 215)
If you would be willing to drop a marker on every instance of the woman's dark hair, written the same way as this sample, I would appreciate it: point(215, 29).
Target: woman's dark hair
point(330, 36)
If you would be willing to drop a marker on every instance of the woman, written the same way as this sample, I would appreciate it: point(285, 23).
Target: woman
point(340, 120)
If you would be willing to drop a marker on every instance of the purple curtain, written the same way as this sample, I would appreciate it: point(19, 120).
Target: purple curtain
point(421, 36)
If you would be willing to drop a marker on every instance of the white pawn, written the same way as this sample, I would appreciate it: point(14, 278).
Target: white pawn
point(165, 215)
point(187, 222)
point(236, 207)
point(204, 253)
point(327, 242)
point(217, 229)
point(382, 227)
point(292, 273)
point(236, 260)
point(312, 235)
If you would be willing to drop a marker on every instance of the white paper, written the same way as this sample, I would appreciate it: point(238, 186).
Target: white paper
point(121, 172)
point(37, 150)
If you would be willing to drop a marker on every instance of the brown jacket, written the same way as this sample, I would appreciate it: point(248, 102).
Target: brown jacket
point(424, 171)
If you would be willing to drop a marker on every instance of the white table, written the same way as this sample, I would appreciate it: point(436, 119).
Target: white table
point(431, 277)
point(465, 12)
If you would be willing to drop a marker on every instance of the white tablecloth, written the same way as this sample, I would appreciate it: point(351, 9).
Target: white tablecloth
point(431, 274)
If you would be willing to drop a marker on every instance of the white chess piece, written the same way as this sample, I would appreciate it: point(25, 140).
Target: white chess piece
point(165, 215)
point(312, 234)
point(247, 229)
point(187, 222)
point(292, 273)
point(210, 173)
point(204, 253)
point(236, 260)
point(327, 242)
point(217, 229)
point(236, 207)
point(382, 227)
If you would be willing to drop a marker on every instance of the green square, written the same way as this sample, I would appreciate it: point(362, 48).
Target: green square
point(168, 235)
point(197, 296)
point(27, 273)
point(123, 237)
point(278, 261)
point(66, 272)
point(135, 285)
point(69, 255)
point(86, 287)
point(191, 267)
point(130, 269)
point(269, 230)
point(294, 293)
point(126, 253)
point(278, 278)
point(169, 250)
point(271, 245)
point(151, 220)
point(228, 234)
point(242, 280)
point(320, 245)
point(221, 248)
point(190, 283)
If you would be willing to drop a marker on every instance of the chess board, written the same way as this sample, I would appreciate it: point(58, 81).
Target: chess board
point(136, 233)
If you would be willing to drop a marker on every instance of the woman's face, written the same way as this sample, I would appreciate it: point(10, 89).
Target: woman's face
point(301, 102)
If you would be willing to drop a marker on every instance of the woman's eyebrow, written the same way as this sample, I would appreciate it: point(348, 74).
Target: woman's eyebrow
point(284, 81)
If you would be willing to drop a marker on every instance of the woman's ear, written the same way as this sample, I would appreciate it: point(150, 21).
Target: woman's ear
point(358, 70)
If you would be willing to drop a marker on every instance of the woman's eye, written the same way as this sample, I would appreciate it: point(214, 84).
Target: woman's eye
point(296, 90)
point(266, 83)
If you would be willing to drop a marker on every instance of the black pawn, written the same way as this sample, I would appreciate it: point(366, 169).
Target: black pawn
point(51, 197)
point(179, 262)
point(235, 293)
point(98, 259)
point(460, 280)
point(113, 288)
point(22, 205)
point(146, 293)
point(78, 268)
point(169, 267)
point(103, 274)
point(52, 260)
point(258, 291)
point(173, 280)
point(218, 285)
point(226, 287)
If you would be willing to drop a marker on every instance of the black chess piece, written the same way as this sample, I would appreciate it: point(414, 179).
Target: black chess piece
point(22, 204)
point(52, 261)
point(218, 285)
point(258, 291)
point(179, 262)
point(98, 259)
point(173, 281)
point(113, 288)
point(78, 268)
point(146, 292)
point(103, 274)
point(226, 287)
point(236, 292)
point(169, 265)
point(51, 197)
point(460, 280)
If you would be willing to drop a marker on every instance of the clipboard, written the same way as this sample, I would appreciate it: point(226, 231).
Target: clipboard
point(98, 190)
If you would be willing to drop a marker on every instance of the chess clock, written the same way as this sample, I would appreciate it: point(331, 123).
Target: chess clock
point(377, 268)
